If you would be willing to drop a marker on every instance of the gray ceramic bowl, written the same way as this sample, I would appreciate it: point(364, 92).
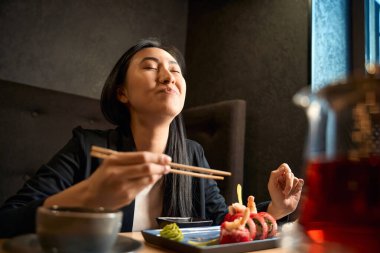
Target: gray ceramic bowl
point(76, 229)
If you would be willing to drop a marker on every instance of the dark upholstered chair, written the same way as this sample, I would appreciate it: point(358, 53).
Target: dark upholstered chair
point(36, 123)
point(220, 129)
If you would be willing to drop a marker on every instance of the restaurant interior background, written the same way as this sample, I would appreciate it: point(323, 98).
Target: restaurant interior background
point(244, 49)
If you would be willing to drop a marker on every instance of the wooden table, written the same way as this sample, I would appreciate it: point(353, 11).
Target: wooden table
point(148, 248)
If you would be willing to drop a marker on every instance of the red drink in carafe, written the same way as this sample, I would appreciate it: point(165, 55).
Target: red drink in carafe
point(342, 203)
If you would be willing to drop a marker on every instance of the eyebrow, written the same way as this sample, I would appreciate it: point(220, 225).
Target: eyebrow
point(157, 60)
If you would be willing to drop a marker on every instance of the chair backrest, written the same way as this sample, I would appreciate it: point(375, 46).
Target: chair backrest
point(220, 129)
point(35, 124)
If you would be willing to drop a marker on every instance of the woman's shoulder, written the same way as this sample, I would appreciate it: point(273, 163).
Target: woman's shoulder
point(92, 133)
point(95, 136)
point(84, 138)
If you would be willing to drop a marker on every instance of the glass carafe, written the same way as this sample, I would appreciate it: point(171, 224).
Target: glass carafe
point(341, 198)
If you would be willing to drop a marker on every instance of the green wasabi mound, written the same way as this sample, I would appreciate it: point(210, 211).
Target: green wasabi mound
point(172, 232)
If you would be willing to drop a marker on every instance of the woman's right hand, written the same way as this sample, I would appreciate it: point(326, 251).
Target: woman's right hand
point(117, 181)
point(122, 175)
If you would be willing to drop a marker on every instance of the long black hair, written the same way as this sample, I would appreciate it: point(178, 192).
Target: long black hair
point(178, 186)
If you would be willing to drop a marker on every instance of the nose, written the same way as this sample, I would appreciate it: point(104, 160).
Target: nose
point(165, 76)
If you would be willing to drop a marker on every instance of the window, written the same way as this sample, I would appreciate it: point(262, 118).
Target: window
point(372, 32)
point(330, 41)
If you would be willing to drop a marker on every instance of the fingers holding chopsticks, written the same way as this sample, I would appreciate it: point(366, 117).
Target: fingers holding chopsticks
point(125, 166)
point(143, 162)
point(188, 170)
point(130, 157)
point(138, 164)
point(122, 175)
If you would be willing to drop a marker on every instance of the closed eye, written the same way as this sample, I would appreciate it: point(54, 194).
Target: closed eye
point(175, 71)
point(150, 68)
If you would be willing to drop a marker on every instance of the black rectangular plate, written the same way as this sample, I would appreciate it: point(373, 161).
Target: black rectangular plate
point(206, 233)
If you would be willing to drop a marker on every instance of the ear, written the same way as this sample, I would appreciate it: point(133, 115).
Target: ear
point(122, 95)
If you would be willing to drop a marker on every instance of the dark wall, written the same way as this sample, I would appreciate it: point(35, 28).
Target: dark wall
point(71, 45)
point(257, 51)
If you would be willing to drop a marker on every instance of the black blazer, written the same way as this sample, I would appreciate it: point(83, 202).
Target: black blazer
point(73, 164)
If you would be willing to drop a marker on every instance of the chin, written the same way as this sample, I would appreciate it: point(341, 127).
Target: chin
point(173, 109)
point(173, 113)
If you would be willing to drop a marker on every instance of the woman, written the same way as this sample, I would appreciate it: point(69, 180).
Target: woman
point(143, 95)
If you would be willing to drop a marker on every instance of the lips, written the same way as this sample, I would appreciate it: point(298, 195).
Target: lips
point(168, 90)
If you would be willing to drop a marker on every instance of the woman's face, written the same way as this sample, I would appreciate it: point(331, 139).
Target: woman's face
point(154, 85)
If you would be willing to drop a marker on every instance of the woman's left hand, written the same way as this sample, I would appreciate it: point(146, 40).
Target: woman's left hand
point(285, 191)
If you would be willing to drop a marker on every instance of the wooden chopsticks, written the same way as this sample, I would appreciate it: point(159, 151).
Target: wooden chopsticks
point(103, 153)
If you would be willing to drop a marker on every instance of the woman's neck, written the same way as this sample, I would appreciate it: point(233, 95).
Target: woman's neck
point(149, 137)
